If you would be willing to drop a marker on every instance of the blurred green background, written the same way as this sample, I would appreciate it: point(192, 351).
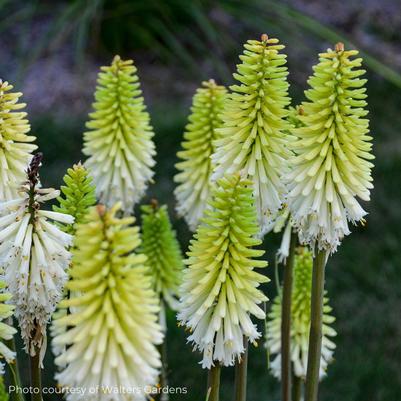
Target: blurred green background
point(51, 50)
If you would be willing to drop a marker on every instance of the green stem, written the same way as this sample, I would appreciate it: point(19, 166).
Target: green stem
point(296, 388)
point(213, 382)
point(163, 353)
point(36, 382)
point(315, 334)
point(15, 378)
point(286, 370)
point(241, 368)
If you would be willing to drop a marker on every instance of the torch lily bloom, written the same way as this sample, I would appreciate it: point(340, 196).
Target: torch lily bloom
point(119, 141)
point(220, 290)
point(161, 247)
point(6, 331)
point(111, 331)
point(15, 145)
point(253, 138)
point(78, 195)
point(195, 167)
point(300, 322)
point(331, 166)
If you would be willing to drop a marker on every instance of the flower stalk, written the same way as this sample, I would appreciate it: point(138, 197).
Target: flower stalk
point(296, 388)
point(241, 370)
point(286, 369)
point(15, 379)
point(163, 382)
point(315, 334)
point(36, 380)
point(213, 382)
point(13, 367)
point(300, 322)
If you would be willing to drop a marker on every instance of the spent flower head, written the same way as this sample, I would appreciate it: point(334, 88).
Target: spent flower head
point(34, 254)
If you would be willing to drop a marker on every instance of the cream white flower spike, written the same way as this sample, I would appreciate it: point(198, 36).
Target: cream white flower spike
point(111, 330)
point(195, 166)
point(119, 141)
point(220, 293)
point(163, 251)
point(331, 167)
point(300, 322)
point(253, 138)
point(15, 144)
point(33, 253)
point(6, 331)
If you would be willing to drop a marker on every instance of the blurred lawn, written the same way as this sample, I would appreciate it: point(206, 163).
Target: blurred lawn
point(363, 277)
